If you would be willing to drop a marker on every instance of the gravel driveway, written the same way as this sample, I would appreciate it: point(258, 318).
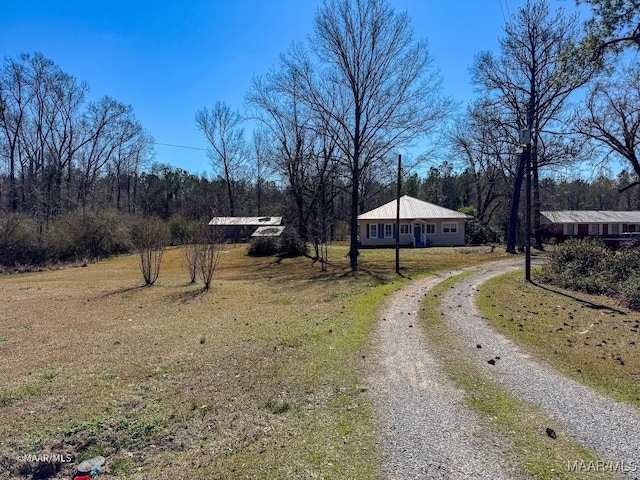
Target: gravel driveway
point(610, 428)
point(426, 430)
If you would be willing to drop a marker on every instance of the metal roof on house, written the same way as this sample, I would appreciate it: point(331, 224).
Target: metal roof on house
point(268, 232)
point(410, 208)
point(245, 221)
point(590, 216)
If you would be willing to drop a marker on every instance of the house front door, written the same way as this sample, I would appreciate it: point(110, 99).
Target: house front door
point(417, 235)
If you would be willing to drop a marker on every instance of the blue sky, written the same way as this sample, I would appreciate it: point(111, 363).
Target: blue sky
point(168, 59)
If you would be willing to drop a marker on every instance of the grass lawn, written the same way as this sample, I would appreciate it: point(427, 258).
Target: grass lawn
point(589, 338)
point(261, 377)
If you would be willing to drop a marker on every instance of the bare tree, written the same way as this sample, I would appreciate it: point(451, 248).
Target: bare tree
point(190, 253)
point(132, 154)
point(531, 81)
point(276, 100)
point(55, 145)
point(208, 257)
point(261, 164)
point(190, 260)
point(223, 130)
point(480, 141)
point(149, 238)
point(375, 87)
point(15, 95)
point(611, 117)
point(108, 126)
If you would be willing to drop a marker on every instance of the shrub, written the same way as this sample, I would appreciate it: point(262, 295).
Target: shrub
point(475, 232)
point(578, 264)
point(89, 234)
point(587, 265)
point(263, 247)
point(149, 237)
point(181, 230)
point(19, 241)
point(630, 291)
point(290, 244)
point(622, 264)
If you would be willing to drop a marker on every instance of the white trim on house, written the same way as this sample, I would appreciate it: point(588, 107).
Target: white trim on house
point(450, 227)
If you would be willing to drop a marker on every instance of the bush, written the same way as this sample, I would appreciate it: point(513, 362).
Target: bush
point(630, 291)
point(90, 234)
point(184, 231)
point(19, 241)
point(150, 237)
point(263, 247)
point(290, 244)
point(578, 264)
point(475, 232)
point(622, 264)
point(587, 265)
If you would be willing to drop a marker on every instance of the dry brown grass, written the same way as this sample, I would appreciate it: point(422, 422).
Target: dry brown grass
point(259, 377)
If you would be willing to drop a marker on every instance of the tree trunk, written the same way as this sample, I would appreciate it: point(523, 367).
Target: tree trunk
point(515, 206)
point(13, 192)
point(537, 224)
point(353, 240)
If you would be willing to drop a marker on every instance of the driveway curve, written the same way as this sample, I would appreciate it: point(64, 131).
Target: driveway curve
point(427, 432)
point(610, 428)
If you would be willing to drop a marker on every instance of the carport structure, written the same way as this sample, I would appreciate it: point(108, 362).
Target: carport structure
point(236, 226)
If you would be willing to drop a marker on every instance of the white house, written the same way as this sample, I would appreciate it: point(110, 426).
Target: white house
point(421, 224)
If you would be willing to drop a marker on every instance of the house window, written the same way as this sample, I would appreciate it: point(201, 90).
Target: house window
point(570, 229)
point(430, 228)
point(594, 229)
point(373, 230)
point(614, 229)
point(450, 227)
point(388, 230)
point(405, 229)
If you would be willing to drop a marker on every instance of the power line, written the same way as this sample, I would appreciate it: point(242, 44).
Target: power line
point(504, 17)
point(180, 146)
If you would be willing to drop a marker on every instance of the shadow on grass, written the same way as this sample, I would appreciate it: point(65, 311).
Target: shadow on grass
point(186, 297)
point(586, 303)
point(124, 291)
point(376, 277)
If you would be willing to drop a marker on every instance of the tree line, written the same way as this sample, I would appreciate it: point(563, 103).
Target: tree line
point(333, 113)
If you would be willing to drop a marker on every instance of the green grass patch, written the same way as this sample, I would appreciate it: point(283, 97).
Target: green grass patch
point(520, 426)
point(589, 338)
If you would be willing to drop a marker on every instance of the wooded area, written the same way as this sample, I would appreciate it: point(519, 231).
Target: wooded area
point(331, 117)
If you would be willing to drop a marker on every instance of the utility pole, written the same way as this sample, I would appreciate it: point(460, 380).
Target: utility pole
point(525, 143)
point(398, 214)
